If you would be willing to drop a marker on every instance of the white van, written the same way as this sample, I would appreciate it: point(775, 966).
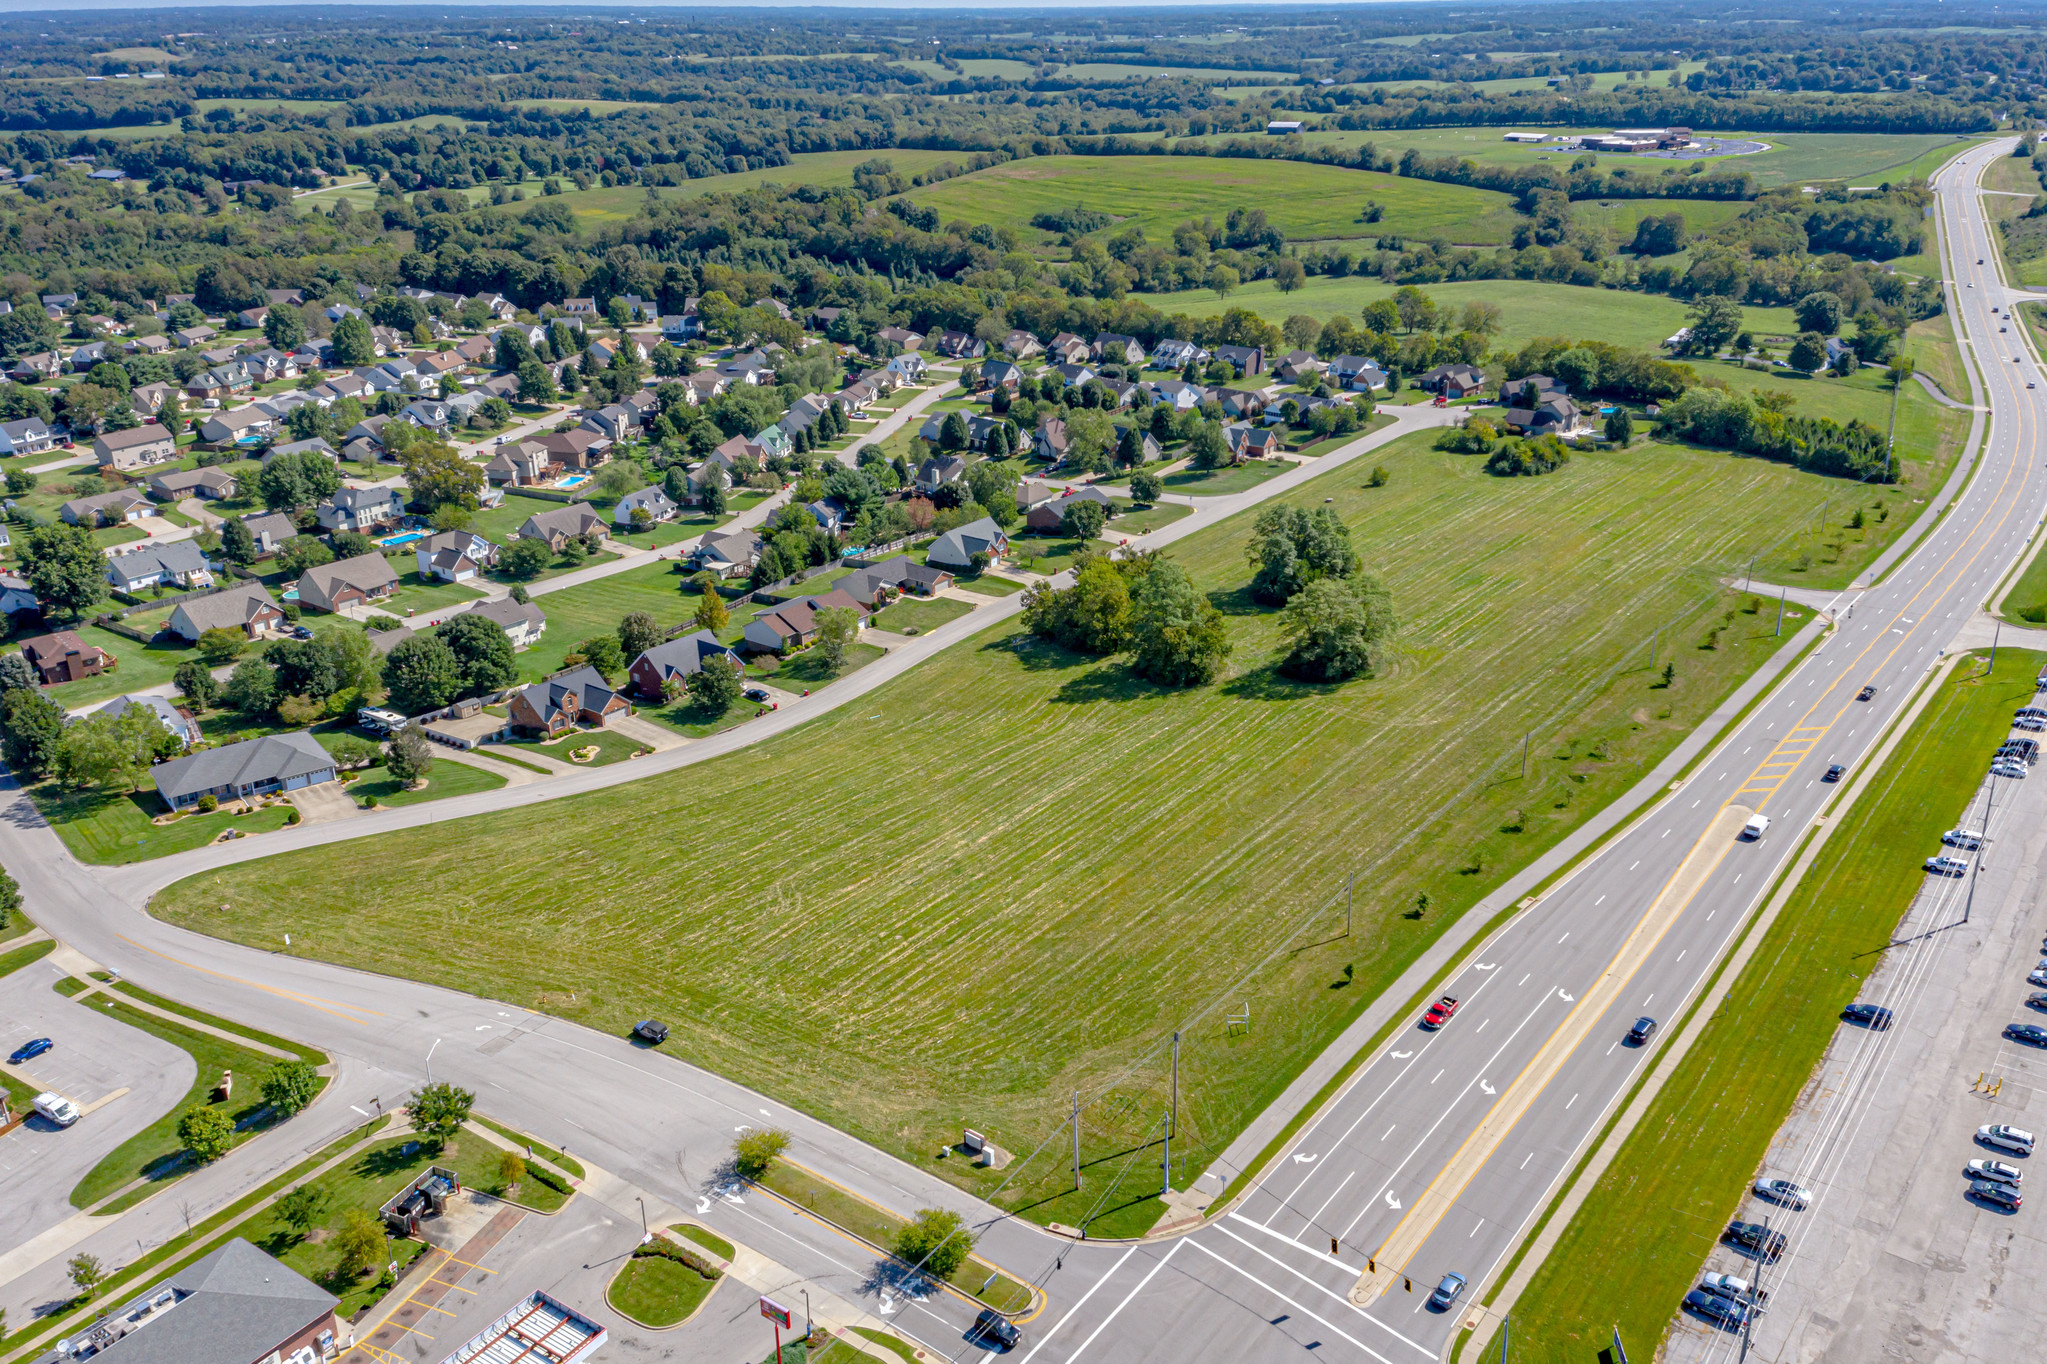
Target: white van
point(56, 1108)
point(1755, 828)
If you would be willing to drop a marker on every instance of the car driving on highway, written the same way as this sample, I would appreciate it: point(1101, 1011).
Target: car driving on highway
point(1785, 1192)
point(1644, 1029)
point(1439, 1013)
point(1446, 1292)
point(1865, 693)
point(28, 1051)
point(2002, 1195)
point(1996, 1171)
point(2005, 1137)
point(994, 1329)
point(1834, 771)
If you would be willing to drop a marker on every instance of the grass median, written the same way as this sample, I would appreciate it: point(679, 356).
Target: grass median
point(1638, 1241)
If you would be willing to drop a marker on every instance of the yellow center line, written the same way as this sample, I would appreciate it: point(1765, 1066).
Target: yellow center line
point(309, 1001)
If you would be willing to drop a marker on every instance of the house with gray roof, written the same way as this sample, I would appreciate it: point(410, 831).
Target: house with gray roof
point(900, 574)
point(454, 556)
point(347, 582)
point(254, 767)
point(105, 509)
point(658, 505)
point(360, 509)
point(556, 526)
point(247, 607)
point(677, 660)
point(234, 1306)
point(175, 561)
point(298, 447)
point(212, 484)
point(561, 702)
point(522, 621)
point(173, 719)
point(957, 548)
point(270, 530)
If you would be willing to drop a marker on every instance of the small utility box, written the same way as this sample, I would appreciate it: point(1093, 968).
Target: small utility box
point(985, 1152)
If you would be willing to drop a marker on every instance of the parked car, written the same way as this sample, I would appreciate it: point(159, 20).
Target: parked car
point(995, 1329)
point(1872, 1016)
point(1996, 1171)
point(2032, 1034)
point(2005, 1137)
point(1439, 1013)
point(1644, 1029)
point(1834, 771)
point(2037, 999)
point(2038, 976)
point(28, 1051)
point(756, 694)
point(1736, 1289)
point(1966, 839)
point(2013, 771)
point(651, 1030)
point(1714, 1308)
point(1785, 1192)
point(2003, 1195)
point(1942, 865)
point(2030, 722)
point(1446, 1292)
point(1765, 1244)
point(1865, 693)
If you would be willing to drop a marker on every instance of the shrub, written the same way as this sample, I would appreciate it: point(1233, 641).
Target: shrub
point(549, 1178)
point(755, 1153)
point(937, 1242)
point(208, 804)
point(668, 1250)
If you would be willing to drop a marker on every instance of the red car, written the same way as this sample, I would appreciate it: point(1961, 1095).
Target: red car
point(1439, 1012)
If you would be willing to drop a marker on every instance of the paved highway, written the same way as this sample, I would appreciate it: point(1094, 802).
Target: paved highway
point(1431, 1161)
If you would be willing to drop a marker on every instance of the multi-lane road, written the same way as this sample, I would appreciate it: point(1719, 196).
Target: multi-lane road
point(1432, 1160)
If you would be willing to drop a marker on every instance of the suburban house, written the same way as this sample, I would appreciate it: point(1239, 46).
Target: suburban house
point(900, 575)
point(147, 444)
point(1551, 413)
point(654, 501)
point(270, 530)
point(1147, 443)
point(1075, 374)
point(615, 423)
point(518, 466)
point(17, 596)
point(212, 484)
point(939, 470)
point(678, 659)
point(909, 368)
point(360, 509)
point(1238, 404)
point(64, 657)
point(1048, 516)
point(1030, 493)
point(454, 556)
point(254, 767)
point(235, 1306)
point(1001, 374)
point(1068, 349)
point(560, 703)
point(1021, 345)
point(1357, 373)
point(960, 345)
point(1051, 441)
point(822, 318)
point(522, 621)
point(1452, 381)
point(556, 526)
point(347, 582)
point(1173, 353)
point(1177, 394)
point(178, 722)
point(957, 548)
point(1251, 442)
point(29, 436)
point(242, 426)
point(729, 554)
point(247, 607)
point(1530, 391)
point(105, 509)
point(300, 447)
point(900, 337)
point(1245, 360)
point(1114, 348)
point(793, 624)
point(577, 449)
point(174, 561)
point(979, 429)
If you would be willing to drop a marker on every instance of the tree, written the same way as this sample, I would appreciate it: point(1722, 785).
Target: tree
point(285, 328)
point(411, 756)
point(836, 628)
point(1663, 235)
point(302, 552)
point(26, 331)
point(711, 613)
point(86, 1271)
point(251, 687)
point(1808, 353)
point(237, 542)
point(1332, 628)
point(207, 1133)
point(714, 688)
point(303, 668)
point(952, 432)
point(637, 633)
point(1223, 279)
point(111, 752)
point(524, 560)
point(755, 1153)
point(438, 1110)
point(1620, 426)
point(511, 1169)
point(31, 727)
point(17, 673)
point(359, 1242)
point(1146, 487)
point(1178, 638)
point(222, 644)
point(10, 897)
point(1715, 320)
point(439, 476)
point(1291, 547)
point(353, 343)
point(301, 1208)
point(1209, 447)
point(936, 1241)
point(422, 673)
point(1900, 370)
point(1577, 369)
point(1083, 520)
point(1289, 275)
point(289, 1086)
point(483, 654)
point(66, 569)
point(1819, 311)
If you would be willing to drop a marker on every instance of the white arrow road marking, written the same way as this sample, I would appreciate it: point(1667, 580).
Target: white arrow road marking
point(483, 1027)
point(744, 1127)
point(703, 1206)
point(1488, 966)
point(1301, 1159)
point(1567, 998)
point(1402, 1055)
point(766, 1114)
point(887, 1306)
point(1391, 1201)
point(1487, 1088)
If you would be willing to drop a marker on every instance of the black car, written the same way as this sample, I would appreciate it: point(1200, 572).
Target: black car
point(1872, 1016)
point(301, 632)
point(1865, 693)
point(1834, 773)
point(992, 1328)
point(651, 1030)
point(1765, 1244)
point(2032, 1034)
point(756, 693)
point(1644, 1029)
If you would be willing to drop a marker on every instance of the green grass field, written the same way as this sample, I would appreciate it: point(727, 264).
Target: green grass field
point(1638, 1242)
point(112, 828)
point(574, 614)
point(657, 1291)
point(1528, 308)
point(1159, 193)
point(1093, 905)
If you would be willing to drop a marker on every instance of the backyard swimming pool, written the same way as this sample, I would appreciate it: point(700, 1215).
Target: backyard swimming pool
point(572, 481)
point(394, 541)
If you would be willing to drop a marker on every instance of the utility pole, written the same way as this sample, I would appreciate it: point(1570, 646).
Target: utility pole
point(1780, 609)
point(1076, 1139)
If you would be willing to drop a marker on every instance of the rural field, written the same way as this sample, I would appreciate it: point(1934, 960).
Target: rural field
point(1528, 308)
point(1159, 193)
point(1636, 1245)
point(1038, 866)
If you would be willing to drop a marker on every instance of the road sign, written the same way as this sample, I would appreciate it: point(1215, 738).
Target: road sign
point(775, 1312)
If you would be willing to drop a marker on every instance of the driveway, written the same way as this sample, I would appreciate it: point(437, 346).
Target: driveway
point(96, 1060)
point(328, 800)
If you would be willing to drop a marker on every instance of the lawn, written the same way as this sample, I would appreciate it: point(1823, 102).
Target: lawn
point(913, 616)
point(611, 747)
point(446, 779)
point(1159, 193)
point(987, 585)
point(1135, 520)
point(1218, 482)
point(657, 1290)
point(576, 613)
point(1528, 308)
point(808, 670)
point(137, 667)
point(155, 1153)
point(417, 593)
point(1637, 1243)
point(1094, 906)
point(114, 828)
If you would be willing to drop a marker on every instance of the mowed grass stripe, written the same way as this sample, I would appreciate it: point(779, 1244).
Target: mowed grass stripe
point(1641, 1238)
point(1011, 873)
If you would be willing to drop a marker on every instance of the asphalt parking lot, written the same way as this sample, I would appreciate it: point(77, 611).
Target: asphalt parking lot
point(94, 1057)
